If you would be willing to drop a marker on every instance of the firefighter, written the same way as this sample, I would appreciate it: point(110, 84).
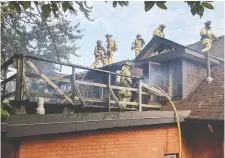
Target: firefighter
point(159, 31)
point(207, 36)
point(125, 95)
point(138, 44)
point(111, 48)
point(99, 56)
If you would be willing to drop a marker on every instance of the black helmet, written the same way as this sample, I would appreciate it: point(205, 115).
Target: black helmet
point(98, 41)
point(208, 23)
point(108, 35)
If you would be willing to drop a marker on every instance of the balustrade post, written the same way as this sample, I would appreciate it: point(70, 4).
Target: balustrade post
point(73, 82)
point(139, 95)
point(109, 83)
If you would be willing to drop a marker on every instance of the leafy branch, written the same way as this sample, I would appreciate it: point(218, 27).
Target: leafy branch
point(196, 7)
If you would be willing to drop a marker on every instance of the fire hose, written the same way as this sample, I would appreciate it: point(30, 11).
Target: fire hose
point(176, 115)
point(177, 119)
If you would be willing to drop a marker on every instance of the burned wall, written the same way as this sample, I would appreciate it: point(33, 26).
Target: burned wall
point(173, 78)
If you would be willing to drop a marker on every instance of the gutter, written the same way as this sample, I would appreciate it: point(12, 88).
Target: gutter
point(201, 120)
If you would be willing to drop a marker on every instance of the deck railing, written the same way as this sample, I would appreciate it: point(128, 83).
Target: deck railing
point(19, 62)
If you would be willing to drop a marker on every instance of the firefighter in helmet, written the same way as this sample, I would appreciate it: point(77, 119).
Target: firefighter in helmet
point(99, 53)
point(159, 31)
point(125, 81)
point(207, 36)
point(138, 44)
point(111, 48)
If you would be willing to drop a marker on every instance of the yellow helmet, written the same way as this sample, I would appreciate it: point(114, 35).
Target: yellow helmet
point(128, 63)
point(162, 25)
point(5, 101)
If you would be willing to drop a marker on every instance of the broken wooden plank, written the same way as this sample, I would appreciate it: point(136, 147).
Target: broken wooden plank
point(49, 81)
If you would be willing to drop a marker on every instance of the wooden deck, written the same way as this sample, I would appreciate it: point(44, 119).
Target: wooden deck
point(23, 96)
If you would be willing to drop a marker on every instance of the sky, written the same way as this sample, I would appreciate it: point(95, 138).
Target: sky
point(125, 22)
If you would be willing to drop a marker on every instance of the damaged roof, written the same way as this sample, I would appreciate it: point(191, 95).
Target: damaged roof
point(157, 44)
point(206, 101)
point(162, 50)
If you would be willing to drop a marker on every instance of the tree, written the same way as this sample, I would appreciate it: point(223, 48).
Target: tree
point(40, 29)
point(196, 7)
point(15, 12)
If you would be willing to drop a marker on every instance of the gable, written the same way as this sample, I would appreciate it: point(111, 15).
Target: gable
point(158, 45)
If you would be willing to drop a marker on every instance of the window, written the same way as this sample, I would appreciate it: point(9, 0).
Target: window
point(171, 155)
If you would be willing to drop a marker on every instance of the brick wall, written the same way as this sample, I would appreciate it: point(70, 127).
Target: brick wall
point(143, 142)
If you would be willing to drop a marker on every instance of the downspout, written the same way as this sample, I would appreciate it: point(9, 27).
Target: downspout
point(209, 79)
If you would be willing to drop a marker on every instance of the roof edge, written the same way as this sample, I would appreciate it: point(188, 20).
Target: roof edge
point(196, 120)
point(31, 125)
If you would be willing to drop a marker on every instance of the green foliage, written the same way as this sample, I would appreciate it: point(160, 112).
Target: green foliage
point(46, 10)
point(207, 5)
point(4, 107)
point(161, 5)
point(48, 7)
point(197, 7)
point(4, 113)
point(25, 4)
point(149, 5)
point(17, 15)
point(123, 3)
point(114, 4)
point(46, 34)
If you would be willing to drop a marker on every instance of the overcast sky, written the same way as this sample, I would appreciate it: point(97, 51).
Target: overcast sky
point(124, 23)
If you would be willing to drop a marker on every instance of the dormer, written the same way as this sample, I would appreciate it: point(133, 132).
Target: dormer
point(175, 68)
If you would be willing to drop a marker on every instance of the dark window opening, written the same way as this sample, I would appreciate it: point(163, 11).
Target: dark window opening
point(171, 155)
